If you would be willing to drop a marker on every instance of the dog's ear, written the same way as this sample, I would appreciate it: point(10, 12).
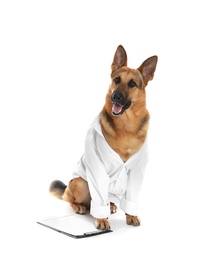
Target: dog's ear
point(120, 59)
point(147, 68)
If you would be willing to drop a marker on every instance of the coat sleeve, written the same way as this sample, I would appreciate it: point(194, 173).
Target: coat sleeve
point(97, 177)
point(129, 203)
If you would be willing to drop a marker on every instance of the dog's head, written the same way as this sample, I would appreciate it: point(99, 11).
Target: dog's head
point(128, 85)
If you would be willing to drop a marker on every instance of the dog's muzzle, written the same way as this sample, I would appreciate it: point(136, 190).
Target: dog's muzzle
point(120, 104)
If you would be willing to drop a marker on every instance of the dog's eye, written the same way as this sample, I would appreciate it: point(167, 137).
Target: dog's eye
point(117, 80)
point(132, 84)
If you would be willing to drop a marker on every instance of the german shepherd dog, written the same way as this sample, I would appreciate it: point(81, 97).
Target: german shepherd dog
point(124, 122)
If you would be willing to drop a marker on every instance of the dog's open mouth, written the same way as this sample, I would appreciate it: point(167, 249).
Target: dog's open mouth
point(118, 109)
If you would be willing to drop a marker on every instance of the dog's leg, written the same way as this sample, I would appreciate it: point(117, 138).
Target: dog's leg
point(102, 223)
point(132, 220)
point(78, 195)
point(113, 208)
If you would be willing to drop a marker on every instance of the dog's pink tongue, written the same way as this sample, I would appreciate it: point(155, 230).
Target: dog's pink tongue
point(117, 108)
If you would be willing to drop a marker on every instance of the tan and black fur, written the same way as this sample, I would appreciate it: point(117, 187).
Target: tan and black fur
point(124, 121)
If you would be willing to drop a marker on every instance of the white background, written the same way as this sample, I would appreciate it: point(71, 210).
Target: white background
point(55, 59)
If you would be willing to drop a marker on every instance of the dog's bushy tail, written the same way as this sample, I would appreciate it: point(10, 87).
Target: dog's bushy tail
point(57, 189)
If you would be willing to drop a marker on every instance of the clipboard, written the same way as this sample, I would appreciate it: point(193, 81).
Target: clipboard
point(72, 226)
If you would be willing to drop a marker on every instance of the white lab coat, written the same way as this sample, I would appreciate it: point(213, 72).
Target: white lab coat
point(108, 177)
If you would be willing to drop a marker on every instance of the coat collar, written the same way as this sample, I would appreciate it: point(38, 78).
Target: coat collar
point(96, 125)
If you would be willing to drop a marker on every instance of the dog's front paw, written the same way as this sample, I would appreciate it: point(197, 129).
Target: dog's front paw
point(102, 223)
point(132, 220)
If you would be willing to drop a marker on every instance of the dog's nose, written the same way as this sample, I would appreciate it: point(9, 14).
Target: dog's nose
point(117, 97)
